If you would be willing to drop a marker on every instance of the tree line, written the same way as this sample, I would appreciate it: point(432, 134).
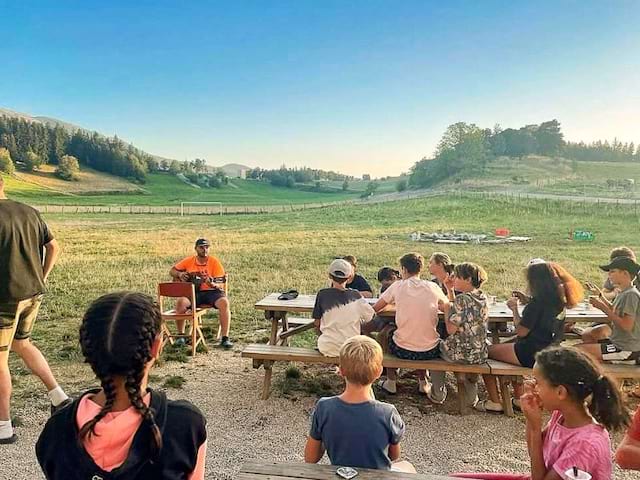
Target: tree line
point(468, 147)
point(289, 177)
point(32, 144)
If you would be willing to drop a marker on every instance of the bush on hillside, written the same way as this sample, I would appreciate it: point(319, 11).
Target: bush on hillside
point(68, 168)
point(6, 164)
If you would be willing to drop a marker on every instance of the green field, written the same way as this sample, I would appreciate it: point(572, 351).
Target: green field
point(553, 175)
point(273, 252)
point(164, 189)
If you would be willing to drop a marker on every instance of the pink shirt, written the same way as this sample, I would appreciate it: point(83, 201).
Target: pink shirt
point(588, 448)
point(110, 446)
point(416, 304)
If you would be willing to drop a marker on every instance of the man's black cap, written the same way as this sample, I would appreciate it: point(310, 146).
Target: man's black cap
point(202, 242)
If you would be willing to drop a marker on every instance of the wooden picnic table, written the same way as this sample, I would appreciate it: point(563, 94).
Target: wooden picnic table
point(312, 471)
point(277, 310)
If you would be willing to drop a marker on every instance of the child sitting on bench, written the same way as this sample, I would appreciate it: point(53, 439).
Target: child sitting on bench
point(339, 312)
point(466, 322)
point(355, 429)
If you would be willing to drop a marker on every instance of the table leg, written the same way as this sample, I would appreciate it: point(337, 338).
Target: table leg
point(266, 386)
point(462, 394)
point(506, 395)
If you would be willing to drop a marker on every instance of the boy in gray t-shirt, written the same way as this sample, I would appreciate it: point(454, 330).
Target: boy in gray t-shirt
point(623, 341)
point(354, 428)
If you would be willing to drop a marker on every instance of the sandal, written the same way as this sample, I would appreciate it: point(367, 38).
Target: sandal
point(383, 385)
point(6, 441)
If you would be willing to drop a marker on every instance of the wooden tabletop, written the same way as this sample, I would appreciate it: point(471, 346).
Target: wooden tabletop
point(307, 471)
point(498, 312)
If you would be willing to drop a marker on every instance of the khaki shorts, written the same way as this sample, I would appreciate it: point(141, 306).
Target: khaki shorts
point(17, 319)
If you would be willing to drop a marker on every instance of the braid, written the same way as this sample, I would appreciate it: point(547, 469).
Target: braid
point(109, 388)
point(134, 379)
point(117, 336)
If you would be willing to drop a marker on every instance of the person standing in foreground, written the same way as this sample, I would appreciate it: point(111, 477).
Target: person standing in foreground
point(207, 273)
point(23, 235)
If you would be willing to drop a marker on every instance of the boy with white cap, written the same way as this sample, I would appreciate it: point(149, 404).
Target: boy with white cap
point(339, 312)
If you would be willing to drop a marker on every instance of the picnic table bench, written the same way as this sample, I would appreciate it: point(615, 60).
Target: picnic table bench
point(312, 471)
point(266, 355)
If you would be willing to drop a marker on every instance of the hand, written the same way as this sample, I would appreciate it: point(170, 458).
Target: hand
point(442, 304)
point(512, 304)
point(523, 297)
point(448, 282)
point(531, 405)
point(593, 288)
point(599, 303)
point(184, 276)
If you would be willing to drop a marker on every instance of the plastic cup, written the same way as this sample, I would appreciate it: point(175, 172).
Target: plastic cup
point(577, 474)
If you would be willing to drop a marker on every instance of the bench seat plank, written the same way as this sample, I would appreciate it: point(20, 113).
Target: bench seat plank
point(306, 471)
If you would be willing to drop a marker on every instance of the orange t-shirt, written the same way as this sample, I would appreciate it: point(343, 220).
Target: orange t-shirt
point(213, 268)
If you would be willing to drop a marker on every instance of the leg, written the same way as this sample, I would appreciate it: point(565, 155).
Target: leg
point(462, 394)
point(491, 384)
point(594, 334)
point(470, 381)
point(222, 304)
point(592, 349)
point(8, 323)
point(182, 306)
point(438, 387)
point(35, 361)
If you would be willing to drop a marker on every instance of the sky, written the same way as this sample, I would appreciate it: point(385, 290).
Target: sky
point(353, 86)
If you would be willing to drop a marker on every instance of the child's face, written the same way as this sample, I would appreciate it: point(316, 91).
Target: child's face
point(619, 277)
point(462, 284)
point(385, 283)
point(547, 393)
point(435, 268)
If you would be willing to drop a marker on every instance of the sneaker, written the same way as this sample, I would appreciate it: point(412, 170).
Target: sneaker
point(56, 408)
point(8, 440)
point(435, 400)
point(226, 343)
point(488, 406)
point(388, 386)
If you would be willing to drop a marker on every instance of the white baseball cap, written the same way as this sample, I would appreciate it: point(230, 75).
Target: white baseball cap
point(340, 268)
point(536, 261)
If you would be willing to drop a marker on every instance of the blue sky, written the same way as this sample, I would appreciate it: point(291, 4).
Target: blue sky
point(355, 86)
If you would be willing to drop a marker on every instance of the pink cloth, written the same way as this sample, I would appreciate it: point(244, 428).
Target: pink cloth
point(416, 304)
point(492, 476)
point(588, 448)
point(110, 446)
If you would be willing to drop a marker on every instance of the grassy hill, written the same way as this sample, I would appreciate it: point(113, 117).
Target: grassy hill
point(164, 189)
point(551, 175)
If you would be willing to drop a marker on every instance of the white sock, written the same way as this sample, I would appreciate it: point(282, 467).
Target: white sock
point(6, 429)
point(57, 396)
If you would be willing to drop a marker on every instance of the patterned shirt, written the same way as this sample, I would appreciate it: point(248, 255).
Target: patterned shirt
point(469, 312)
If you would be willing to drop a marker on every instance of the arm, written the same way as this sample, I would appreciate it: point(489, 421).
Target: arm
point(532, 409)
point(521, 330)
point(394, 452)
point(379, 305)
point(313, 450)
point(52, 251)
point(366, 294)
point(625, 321)
point(198, 472)
point(628, 453)
point(446, 310)
point(316, 323)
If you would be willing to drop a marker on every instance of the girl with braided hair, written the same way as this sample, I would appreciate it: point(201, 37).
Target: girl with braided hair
point(123, 430)
point(550, 289)
point(584, 404)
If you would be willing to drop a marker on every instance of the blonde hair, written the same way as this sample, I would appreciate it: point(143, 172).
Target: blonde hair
point(361, 360)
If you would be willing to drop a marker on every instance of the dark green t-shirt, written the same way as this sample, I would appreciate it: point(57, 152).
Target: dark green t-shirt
point(23, 233)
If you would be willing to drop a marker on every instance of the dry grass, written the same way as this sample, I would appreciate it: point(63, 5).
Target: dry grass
point(90, 181)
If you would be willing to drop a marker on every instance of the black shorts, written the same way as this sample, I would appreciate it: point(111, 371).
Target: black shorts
point(526, 352)
point(208, 298)
point(404, 354)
